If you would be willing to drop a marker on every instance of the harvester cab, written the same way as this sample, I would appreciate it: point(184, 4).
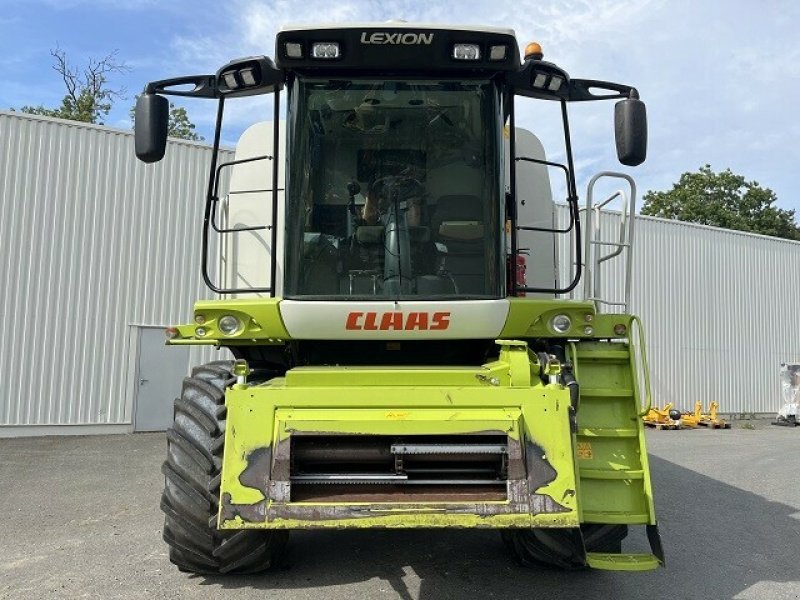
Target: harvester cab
point(409, 348)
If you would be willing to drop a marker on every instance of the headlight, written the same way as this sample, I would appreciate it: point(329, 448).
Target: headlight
point(560, 323)
point(229, 325)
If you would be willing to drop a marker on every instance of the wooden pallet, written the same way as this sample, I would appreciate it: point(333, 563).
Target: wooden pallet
point(715, 424)
point(668, 426)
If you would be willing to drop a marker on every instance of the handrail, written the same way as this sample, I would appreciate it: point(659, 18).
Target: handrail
point(212, 198)
point(572, 201)
point(594, 259)
point(573, 351)
point(643, 355)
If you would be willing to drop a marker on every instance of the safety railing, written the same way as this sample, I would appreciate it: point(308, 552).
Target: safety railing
point(597, 249)
point(219, 221)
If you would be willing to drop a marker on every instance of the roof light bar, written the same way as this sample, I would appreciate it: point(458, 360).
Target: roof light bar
point(466, 52)
point(325, 50)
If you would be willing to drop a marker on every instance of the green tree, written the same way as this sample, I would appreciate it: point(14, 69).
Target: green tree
point(180, 126)
point(723, 200)
point(88, 95)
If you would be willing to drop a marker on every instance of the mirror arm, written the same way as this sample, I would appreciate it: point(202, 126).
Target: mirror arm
point(580, 90)
point(205, 86)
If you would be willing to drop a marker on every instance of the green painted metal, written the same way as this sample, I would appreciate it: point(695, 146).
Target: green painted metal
point(622, 562)
point(260, 317)
point(602, 473)
point(313, 377)
point(531, 317)
point(527, 318)
point(613, 473)
point(262, 418)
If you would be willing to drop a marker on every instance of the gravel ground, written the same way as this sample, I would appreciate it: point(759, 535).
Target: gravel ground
point(81, 520)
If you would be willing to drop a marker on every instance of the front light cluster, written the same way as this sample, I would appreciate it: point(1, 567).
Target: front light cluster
point(227, 325)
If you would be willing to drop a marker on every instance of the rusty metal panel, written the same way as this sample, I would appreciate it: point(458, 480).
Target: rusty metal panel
point(92, 242)
point(720, 309)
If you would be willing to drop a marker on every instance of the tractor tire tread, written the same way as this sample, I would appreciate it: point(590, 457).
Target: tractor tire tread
point(192, 474)
point(562, 549)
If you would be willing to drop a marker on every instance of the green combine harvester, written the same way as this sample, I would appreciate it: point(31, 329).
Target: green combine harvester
point(409, 349)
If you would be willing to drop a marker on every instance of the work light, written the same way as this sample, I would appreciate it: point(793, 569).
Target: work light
point(294, 50)
point(497, 52)
point(326, 50)
point(555, 83)
point(248, 76)
point(230, 80)
point(466, 52)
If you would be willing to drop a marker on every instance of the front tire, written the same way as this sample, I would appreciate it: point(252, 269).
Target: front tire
point(192, 474)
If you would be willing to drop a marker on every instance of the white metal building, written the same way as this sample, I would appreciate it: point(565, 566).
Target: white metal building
point(98, 253)
point(720, 308)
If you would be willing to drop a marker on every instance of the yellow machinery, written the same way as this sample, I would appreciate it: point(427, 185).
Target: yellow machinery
point(663, 418)
point(671, 418)
point(711, 419)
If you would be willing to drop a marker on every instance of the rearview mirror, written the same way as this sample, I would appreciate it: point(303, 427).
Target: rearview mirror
point(630, 131)
point(151, 125)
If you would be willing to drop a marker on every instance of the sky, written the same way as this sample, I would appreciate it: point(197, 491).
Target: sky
point(721, 79)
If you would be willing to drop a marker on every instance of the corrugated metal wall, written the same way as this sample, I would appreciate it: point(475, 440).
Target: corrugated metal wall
point(92, 242)
point(721, 310)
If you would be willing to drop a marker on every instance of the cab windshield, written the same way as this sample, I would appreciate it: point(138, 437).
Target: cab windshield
point(394, 190)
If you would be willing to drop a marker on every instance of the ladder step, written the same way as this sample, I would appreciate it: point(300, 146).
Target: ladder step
point(615, 518)
point(608, 432)
point(609, 474)
point(604, 355)
point(622, 562)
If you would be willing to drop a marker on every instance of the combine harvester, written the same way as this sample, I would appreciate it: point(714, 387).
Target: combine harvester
point(406, 354)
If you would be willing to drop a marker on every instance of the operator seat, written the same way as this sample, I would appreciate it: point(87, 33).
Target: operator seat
point(457, 228)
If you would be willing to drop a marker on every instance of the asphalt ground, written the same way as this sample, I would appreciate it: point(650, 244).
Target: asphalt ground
point(80, 519)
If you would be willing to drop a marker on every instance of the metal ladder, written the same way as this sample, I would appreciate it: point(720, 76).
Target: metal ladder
point(595, 256)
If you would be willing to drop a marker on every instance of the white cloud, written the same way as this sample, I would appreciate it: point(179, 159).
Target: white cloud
point(720, 79)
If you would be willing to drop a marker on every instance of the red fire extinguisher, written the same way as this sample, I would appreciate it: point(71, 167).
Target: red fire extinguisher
point(517, 271)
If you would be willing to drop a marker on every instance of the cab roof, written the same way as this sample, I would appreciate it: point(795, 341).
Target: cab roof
point(396, 47)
